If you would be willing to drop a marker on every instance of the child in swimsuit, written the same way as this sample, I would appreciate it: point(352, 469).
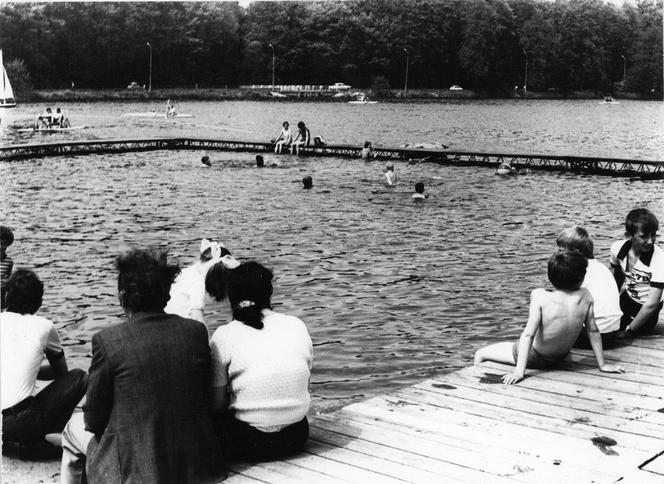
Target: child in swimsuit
point(555, 321)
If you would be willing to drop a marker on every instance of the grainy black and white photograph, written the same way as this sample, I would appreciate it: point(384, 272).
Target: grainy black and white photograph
point(362, 241)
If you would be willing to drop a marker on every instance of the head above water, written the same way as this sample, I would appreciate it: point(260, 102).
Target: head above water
point(260, 163)
point(419, 187)
point(307, 182)
point(576, 238)
point(6, 236)
point(144, 279)
point(641, 219)
point(206, 161)
point(566, 270)
point(390, 167)
point(367, 144)
point(249, 289)
point(23, 292)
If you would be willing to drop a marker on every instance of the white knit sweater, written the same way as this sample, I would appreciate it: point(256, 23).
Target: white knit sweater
point(267, 369)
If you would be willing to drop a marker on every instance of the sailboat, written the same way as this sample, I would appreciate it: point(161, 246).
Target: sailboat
point(6, 94)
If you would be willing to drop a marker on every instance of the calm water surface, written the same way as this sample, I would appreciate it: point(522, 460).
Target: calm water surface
point(391, 290)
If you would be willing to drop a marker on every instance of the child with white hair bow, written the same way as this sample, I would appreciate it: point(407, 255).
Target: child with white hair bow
point(188, 291)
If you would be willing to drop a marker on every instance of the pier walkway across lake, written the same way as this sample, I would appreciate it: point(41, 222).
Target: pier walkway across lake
point(568, 425)
point(595, 165)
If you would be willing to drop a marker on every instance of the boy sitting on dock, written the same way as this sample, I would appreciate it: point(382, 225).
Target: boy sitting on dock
point(284, 139)
point(638, 268)
point(555, 321)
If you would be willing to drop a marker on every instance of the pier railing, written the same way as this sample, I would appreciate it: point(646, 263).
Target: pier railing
point(583, 164)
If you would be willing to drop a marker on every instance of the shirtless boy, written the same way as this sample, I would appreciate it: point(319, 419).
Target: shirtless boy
point(555, 321)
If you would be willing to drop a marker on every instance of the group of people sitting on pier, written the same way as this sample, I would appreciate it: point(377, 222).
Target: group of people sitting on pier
point(285, 139)
point(163, 401)
point(48, 119)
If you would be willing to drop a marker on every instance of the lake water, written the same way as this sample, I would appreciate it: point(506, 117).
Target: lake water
point(391, 290)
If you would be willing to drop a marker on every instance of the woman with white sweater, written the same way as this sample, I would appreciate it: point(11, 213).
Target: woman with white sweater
point(261, 368)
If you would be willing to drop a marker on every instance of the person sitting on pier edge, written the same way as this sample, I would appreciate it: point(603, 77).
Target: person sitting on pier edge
point(390, 176)
point(419, 192)
point(600, 284)
point(187, 293)
point(261, 369)
point(45, 119)
point(638, 267)
point(284, 139)
point(367, 151)
point(307, 182)
point(148, 414)
point(303, 138)
point(26, 339)
point(554, 322)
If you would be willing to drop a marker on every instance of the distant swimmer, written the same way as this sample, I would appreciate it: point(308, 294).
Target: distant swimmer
point(307, 182)
point(205, 162)
point(367, 152)
point(419, 194)
point(505, 169)
point(390, 176)
point(260, 163)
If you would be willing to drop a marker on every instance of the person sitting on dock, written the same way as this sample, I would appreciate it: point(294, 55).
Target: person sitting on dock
point(638, 268)
point(45, 119)
point(390, 176)
point(303, 138)
point(367, 152)
point(419, 194)
point(284, 139)
point(600, 284)
point(555, 320)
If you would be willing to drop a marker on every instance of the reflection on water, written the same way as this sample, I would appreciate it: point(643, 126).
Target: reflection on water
point(391, 290)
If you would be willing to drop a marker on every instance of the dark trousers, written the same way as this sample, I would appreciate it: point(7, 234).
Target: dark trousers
point(47, 412)
point(630, 309)
point(241, 441)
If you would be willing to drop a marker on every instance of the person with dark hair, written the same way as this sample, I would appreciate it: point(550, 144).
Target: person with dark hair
point(6, 262)
point(367, 152)
point(303, 138)
point(26, 339)
point(307, 182)
point(187, 294)
point(205, 162)
point(148, 415)
point(638, 268)
point(284, 139)
point(554, 322)
point(260, 162)
point(261, 368)
point(419, 194)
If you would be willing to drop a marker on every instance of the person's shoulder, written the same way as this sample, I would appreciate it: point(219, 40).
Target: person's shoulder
point(539, 292)
point(619, 248)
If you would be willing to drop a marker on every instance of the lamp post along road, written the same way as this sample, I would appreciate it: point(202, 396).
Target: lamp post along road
point(624, 68)
point(150, 75)
point(270, 44)
point(405, 87)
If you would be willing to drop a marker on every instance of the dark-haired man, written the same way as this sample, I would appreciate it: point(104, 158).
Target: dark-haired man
point(26, 339)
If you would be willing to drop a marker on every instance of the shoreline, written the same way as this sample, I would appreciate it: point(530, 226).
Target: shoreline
point(236, 94)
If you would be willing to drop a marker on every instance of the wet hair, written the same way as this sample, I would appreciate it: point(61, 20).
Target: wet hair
point(641, 218)
point(206, 160)
point(308, 182)
point(419, 187)
point(390, 166)
point(23, 292)
point(6, 235)
point(566, 269)
point(300, 125)
point(249, 289)
point(576, 238)
point(144, 279)
point(259, 161)
point(367, 144)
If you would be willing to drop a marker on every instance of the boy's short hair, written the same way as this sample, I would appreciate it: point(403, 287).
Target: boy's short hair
point(566, 269)
point(6, 235)
point(641, 218)
point(23, 292)
point(419, 187)
point(576, 238)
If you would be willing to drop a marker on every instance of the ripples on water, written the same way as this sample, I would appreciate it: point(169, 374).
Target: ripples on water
point(391, 290)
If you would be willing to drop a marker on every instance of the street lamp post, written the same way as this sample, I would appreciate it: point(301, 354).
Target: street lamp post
point(150, 76)
point(525, 73)
point(405, 87)
point(270, 44)
point(624, 68)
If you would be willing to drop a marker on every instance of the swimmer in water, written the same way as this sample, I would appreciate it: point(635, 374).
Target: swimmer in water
point(205, 162)
point(505, 169)
point(307, 182)
point(390, 176)
point(260, 163)
point(419, 192)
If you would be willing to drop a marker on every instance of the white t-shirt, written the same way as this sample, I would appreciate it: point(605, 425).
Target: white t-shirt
point(602, 286)
point(25, 340)
point(187, 292)
point(267, 370)
point(648, 270)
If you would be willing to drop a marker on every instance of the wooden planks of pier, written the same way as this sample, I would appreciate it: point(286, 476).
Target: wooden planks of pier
point(568, 425)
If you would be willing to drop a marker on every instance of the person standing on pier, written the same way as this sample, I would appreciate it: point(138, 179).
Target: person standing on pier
point(638, 267)
point(284, 139)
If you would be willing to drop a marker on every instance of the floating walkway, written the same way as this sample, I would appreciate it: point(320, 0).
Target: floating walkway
point(569, 425)
point(594, 165)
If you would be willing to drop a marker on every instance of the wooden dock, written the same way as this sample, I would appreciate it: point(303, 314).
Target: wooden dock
point(648, 169)
point(570, 425)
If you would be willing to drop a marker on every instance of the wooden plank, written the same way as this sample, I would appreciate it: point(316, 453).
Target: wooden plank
point(282, 471)
point(577, 361)
point(234, 478)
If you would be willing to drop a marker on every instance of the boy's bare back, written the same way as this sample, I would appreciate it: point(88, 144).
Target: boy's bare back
point(563, 314)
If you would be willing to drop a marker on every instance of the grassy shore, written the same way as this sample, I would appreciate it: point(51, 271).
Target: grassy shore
point(234, 94)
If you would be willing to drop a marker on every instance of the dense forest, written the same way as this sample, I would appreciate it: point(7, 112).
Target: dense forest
point(487, 45)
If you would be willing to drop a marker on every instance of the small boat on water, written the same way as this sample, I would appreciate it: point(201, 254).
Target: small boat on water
point(155, 114)
point(609, 100)
point(361, 98)
point(6, 93)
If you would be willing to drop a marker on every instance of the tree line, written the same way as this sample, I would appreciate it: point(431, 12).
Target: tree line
point(487, 45)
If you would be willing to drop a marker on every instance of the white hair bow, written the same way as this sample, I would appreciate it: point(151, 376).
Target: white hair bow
point(214, 247)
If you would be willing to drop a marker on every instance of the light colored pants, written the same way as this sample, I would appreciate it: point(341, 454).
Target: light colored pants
point(75, 441)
